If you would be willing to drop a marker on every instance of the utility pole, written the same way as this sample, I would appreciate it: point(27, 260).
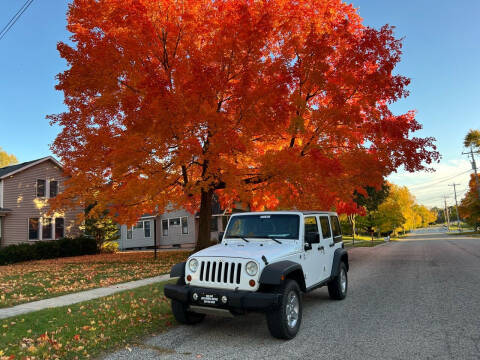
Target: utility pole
point(447, 217)
point(456, 204)
point(474, 167)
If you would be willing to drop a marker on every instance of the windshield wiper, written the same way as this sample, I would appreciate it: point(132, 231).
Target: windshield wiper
point(276, 240)
point(239, 237)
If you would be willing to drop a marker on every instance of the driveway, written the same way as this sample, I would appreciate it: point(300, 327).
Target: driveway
point(415, 299)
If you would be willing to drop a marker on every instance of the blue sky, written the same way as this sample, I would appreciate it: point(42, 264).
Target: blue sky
point(441, 56)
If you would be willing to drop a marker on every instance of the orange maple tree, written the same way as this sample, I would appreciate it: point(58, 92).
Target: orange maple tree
point(275, 104)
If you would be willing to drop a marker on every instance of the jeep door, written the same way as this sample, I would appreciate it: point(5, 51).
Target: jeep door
point(312, 266)
point(326, 246)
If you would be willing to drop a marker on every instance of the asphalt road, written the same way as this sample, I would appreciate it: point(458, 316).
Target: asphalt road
point(416, 299)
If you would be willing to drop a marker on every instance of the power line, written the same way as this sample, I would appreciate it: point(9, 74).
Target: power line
point(15, 18)
point(429, 183)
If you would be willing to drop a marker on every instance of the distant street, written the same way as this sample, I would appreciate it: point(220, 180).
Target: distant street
point(414, 299)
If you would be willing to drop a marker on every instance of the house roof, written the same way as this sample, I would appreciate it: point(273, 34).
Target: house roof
point(13, 169)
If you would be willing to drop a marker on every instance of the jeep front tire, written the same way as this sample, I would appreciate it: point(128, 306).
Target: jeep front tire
point(337, 287)
point(284, 321)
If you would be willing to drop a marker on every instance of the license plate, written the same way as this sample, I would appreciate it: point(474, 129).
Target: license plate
point(209, 299)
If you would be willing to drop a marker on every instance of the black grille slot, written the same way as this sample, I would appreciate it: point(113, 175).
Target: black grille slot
point(239, 268)
point(214, 266)
point(219, 275)
point(207, 273)
point(225, 273)
point(232, 272)
point(202, 267)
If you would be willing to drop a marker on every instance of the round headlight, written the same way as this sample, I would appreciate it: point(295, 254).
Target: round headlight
point(193, 265)
point(251, 268)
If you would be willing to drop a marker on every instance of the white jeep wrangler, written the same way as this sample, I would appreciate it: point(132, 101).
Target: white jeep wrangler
point(264, 262)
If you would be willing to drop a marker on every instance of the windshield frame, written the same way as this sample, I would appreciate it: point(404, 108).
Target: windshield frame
point(228, 236)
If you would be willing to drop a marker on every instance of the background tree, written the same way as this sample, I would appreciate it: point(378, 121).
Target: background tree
point(472, 141)
point(100, 226)
point(427, 216)
point(264, 102)
point(369, 199)
point(7, 159)
point(398, 211)
point(470, 205)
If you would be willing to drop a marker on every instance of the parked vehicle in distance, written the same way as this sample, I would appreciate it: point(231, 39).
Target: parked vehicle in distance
point(265, 261)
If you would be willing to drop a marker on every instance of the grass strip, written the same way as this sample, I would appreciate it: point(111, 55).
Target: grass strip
point(42, 279)
point(86, 329)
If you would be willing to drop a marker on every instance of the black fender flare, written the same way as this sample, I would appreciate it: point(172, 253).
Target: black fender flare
point(340, 255)
point(276, 273)
point(178, 270)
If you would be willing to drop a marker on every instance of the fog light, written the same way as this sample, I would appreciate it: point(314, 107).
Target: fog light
point(251, 283)
point(224, 299)
point(195, 296)
point(189, 277)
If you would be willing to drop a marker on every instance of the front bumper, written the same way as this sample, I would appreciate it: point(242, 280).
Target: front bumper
point(244, 300)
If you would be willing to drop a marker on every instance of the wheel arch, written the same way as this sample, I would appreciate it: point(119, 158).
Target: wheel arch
point(178, 270)
point(339, 256)
point(276, 274)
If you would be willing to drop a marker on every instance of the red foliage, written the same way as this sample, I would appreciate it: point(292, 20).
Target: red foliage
point(271, 103)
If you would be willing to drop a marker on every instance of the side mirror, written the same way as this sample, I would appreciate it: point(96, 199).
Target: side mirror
point(312, 238)
point(220, 236)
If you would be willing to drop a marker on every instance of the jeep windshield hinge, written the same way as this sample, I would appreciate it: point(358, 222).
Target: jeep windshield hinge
point(264, 259)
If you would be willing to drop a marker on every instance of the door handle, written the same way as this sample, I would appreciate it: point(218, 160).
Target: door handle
point(321, 248)
point(332, 245)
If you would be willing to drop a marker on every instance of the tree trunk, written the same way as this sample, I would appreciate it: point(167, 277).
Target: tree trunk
point(203, 239)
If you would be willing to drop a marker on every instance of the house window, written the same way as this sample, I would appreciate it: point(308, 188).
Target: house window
point(139, 225)
point(129, 232)
point(33, 228)
point(59, 228)
point(41, 188)
point(164, 227)
point(184, 225)
point(214, 224)
point(47, 228)
point(53, 188)
point(175, 221)
point(146, 229)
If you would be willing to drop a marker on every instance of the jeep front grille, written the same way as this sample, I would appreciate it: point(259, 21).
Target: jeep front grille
point(220, 272)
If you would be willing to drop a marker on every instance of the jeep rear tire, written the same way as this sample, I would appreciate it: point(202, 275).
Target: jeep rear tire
point(181, 313)
point(284, 321)
point(337, 287)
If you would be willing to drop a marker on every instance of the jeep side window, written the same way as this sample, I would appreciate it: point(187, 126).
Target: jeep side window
point(337, 232)
point(326, 234)
point(311, 225)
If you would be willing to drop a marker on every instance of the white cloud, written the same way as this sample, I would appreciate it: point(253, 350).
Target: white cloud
point(430, 187)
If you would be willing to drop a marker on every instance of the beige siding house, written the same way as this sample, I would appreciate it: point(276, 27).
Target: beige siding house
point(24, 192)
point(173, 229)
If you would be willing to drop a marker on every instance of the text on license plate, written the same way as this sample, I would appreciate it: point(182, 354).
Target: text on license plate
point(209, 299)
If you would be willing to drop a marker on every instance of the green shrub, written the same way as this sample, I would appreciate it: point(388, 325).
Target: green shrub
point(38, 250)
point(109, 247)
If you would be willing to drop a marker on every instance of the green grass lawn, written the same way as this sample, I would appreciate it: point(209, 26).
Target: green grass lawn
point(86, 329)
point(35, 280)
point(465, 233)
point(363, 241)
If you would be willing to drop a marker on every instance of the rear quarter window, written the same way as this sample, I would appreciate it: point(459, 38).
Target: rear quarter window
point(337, 232)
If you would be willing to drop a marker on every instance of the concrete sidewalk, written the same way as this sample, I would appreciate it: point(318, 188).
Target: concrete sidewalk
point(77, 297)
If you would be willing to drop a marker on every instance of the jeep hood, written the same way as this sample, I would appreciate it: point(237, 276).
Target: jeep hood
point(253, 250)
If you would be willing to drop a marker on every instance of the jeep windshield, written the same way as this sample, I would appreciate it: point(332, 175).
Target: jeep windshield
point(263, 226)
